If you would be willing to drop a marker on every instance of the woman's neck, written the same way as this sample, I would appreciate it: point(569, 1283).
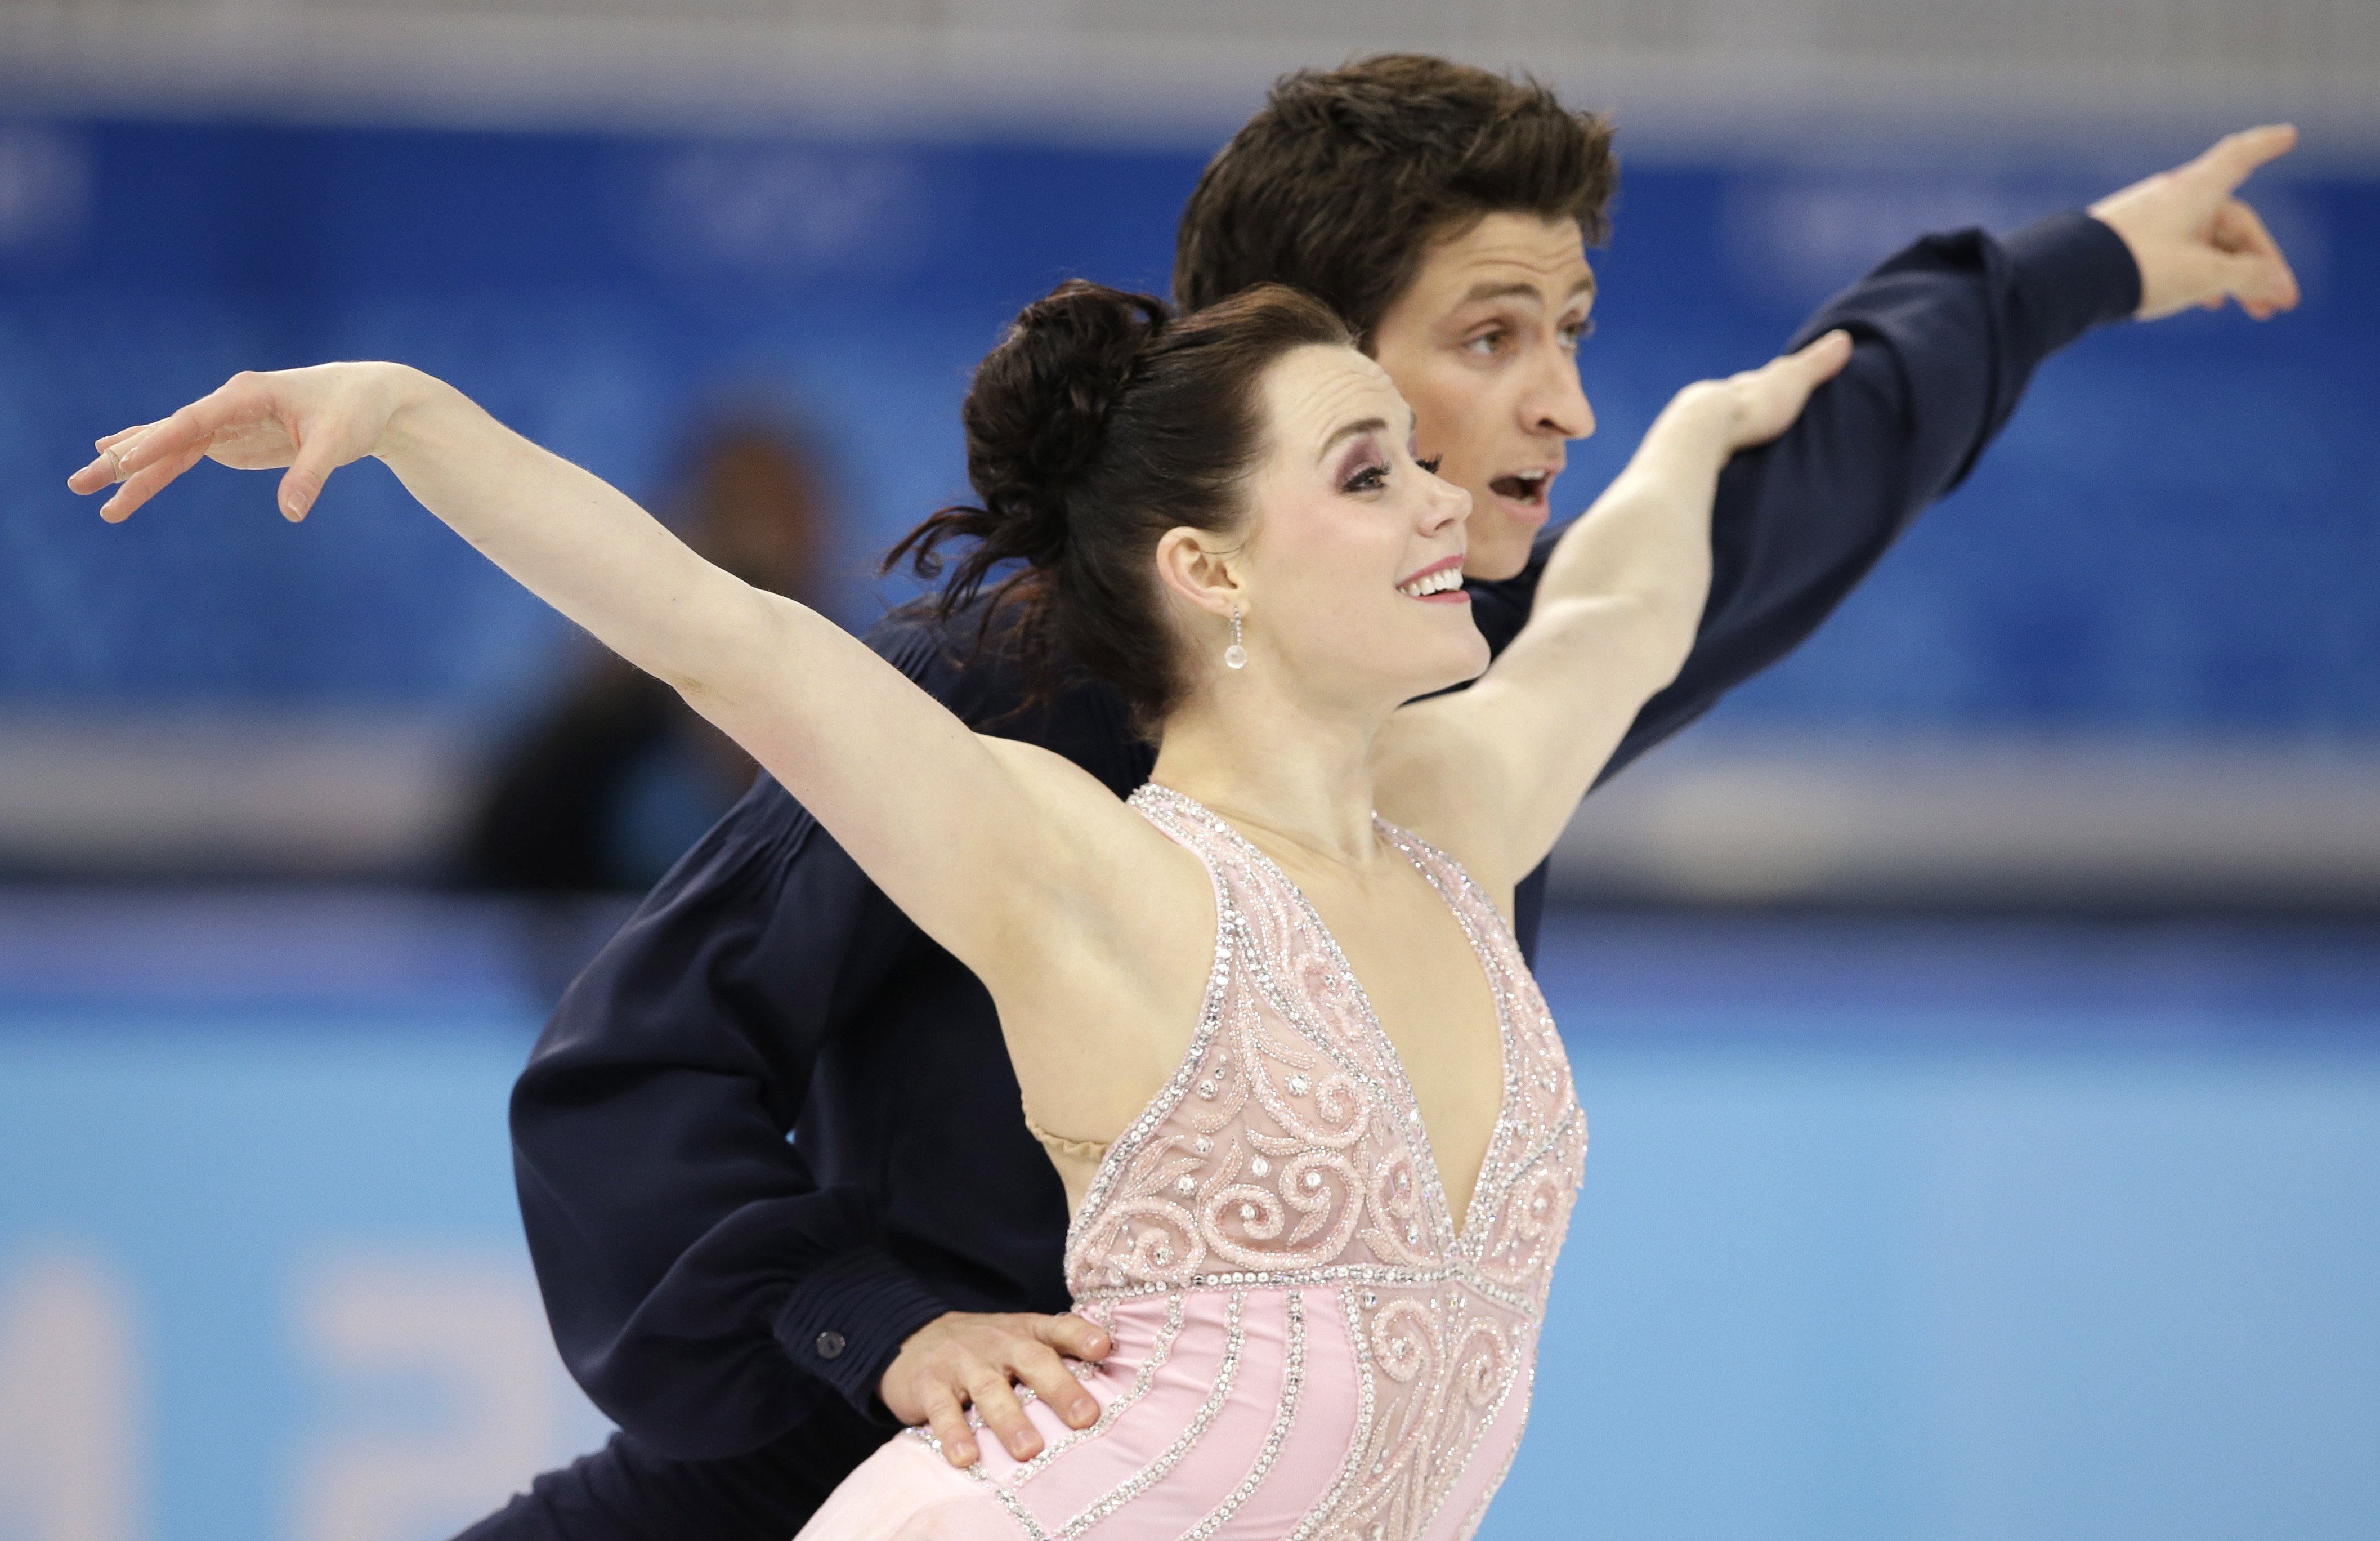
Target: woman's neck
point(1284, 768)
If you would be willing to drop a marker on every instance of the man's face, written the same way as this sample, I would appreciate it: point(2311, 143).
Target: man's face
point(1484, 344)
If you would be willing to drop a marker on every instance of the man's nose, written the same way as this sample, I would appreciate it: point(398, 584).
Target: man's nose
point(1558, 402)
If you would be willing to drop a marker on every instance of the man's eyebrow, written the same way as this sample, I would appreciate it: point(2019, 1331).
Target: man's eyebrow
point(1491, 289)
point(1369, 425)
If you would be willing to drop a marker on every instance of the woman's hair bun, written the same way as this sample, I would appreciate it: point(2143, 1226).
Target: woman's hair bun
point(1099, 423)
point(1038, 412)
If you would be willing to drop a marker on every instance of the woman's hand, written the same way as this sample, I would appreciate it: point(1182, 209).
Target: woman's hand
point(1493, 773)
point(1756, 406)
point(313, 421)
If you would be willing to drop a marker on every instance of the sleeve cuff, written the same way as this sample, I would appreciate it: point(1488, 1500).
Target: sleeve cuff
point(846, 1322)
point(2077, 274)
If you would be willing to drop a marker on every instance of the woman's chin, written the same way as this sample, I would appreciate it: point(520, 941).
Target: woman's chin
point(1419, 662)
point(1449, 669)
point(1476, 655)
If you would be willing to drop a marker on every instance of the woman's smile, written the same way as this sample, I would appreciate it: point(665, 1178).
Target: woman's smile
point(1439, 583)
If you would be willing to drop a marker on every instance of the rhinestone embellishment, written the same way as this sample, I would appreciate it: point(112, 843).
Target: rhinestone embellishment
point(1285, 1154)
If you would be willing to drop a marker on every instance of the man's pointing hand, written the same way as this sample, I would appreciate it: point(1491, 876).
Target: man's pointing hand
point(2196, 243)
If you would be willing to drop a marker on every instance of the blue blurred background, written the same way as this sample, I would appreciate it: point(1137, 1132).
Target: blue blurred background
point(2177, 535)
point(1979, 1016)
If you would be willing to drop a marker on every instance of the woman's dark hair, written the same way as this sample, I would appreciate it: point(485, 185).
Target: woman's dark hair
point(1346, 177)
point(1098, 424)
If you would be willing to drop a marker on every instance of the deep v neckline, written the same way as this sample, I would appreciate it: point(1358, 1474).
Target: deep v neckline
point(1425, 1153)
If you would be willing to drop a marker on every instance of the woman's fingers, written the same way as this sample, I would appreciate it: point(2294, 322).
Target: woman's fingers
point(1824, 357)
point(103, 471)
point(317, 458)
point(123, 455)
point(106, 468)
point(1796, 374)
point(167, 438)
point(147, 483)
point(1767, 399)
point(246, 423)
point(139, 463)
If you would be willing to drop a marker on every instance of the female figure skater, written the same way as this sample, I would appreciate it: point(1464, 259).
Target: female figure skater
point(1314, 1121)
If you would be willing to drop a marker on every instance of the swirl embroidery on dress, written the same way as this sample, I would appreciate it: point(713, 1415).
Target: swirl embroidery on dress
point(1287, 1150)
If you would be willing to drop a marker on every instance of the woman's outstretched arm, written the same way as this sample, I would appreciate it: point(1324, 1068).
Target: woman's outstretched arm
point(1494, 772)
point(940, 817)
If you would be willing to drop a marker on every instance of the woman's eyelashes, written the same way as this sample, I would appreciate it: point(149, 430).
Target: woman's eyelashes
point(1368, 471)
point(1373, 474)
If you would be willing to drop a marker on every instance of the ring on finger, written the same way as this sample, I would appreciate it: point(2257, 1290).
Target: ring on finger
point(115, 466)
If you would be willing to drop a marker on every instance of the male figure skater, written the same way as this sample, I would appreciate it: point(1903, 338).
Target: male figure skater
point(739, 1143)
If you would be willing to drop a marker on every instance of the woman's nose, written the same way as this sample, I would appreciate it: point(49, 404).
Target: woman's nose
point(1449, 504)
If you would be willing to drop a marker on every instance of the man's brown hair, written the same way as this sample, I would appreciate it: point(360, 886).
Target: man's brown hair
point(1343, 182)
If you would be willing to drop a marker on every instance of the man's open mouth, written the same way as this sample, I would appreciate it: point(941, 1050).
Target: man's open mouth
point(1525, 486)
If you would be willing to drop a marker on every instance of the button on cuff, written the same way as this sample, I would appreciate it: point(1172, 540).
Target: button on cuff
point(865, 1304)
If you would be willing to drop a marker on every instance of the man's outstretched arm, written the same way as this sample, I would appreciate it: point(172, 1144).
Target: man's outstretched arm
point(1947, 335)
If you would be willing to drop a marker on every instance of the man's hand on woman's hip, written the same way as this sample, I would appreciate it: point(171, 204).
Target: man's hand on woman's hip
point(968, 1358)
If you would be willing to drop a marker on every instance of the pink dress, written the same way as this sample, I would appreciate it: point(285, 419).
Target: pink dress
point(1307, 1348)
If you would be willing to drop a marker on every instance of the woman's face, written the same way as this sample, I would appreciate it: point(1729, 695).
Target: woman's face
point(1352, 568)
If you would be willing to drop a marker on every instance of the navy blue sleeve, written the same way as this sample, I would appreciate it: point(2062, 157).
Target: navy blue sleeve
point(690, 1260)
point(705, 1290)
point(707, 1284)
point(1945, 336)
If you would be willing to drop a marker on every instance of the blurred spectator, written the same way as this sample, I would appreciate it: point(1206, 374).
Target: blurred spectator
point(621, 777)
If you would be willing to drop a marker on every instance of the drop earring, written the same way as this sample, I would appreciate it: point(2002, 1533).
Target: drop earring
point(1235, 656)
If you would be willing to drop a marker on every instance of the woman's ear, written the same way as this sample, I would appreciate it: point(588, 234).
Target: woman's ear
point(1198, 567)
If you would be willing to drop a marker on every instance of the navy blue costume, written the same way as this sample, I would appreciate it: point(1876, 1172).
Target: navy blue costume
point(771, 1131)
